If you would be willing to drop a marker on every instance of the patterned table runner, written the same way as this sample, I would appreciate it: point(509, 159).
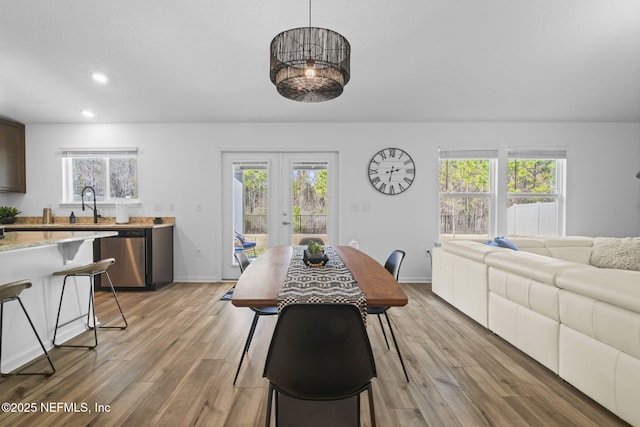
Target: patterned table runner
point(332, 283)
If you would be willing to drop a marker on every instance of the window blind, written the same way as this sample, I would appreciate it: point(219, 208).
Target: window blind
point(542, 154)
point(457, 154)
point(119, 152)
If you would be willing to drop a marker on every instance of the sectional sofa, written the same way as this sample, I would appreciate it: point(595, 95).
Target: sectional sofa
point(571, 303)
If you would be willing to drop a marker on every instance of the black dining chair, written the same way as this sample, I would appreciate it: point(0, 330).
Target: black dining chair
point(244, 262)
point(319, 355)
point(392, 265)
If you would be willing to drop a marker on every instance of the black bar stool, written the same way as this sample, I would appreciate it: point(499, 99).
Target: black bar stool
point(91, 271)
point(11, 292)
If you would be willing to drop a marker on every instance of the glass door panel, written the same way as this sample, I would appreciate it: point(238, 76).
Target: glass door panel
point(273, 199)
point(250, 206)
point(310, 200)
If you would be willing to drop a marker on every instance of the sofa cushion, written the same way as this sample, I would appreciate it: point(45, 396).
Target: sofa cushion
point(537, 267)
point(470, 249)
point(621, 253)
point(570, 241)
point(616, 287)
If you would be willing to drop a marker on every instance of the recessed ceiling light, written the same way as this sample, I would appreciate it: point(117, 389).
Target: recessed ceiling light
point(88, 114)
point(100, 78)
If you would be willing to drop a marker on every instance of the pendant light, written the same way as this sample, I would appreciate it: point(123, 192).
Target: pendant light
point(310, 64)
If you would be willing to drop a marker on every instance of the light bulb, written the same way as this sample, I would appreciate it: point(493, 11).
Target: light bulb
point(310, 70)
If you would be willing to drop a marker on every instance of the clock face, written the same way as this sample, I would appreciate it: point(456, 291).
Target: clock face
point(391, 171)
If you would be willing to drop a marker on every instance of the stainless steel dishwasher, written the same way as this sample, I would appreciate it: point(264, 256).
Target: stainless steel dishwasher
point(130, 251)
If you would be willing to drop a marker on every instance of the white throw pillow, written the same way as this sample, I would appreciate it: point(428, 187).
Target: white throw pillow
point(620, 253)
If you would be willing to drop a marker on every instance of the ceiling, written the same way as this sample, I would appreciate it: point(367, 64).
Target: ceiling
point(412, 60)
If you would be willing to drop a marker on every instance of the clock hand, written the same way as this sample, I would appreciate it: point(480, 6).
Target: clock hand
point(392, 171)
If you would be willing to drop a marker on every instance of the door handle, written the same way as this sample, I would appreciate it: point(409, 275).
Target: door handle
point(286, 223)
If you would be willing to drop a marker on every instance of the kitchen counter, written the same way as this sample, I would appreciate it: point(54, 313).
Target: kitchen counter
point(31, 239)
point(143, 250)
point(86, 223)
point(34, 256)
point(83, 226)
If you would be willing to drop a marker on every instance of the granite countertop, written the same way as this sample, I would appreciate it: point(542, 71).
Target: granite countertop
point(31, 239)
point(86, 223)
point(88, 226)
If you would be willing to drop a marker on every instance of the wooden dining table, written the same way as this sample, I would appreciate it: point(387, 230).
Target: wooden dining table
point(260, 283)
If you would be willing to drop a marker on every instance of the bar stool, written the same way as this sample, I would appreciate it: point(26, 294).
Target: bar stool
point(11, 292)
point(90, 270)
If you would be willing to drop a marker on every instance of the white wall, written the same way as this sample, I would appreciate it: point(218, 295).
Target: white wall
point(603, 193)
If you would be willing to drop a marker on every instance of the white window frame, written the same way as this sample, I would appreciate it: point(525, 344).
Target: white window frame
point(68, 154)
point(490, 155)
point(560, 157)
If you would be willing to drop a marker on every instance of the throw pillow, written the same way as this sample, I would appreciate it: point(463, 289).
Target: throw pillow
point(620, 253)
point(506, 243)
point(491, 243)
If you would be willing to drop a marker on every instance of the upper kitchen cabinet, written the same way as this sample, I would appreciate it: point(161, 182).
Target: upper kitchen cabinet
point(12, 161)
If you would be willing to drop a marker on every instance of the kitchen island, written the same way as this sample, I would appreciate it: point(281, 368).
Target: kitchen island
point(35, 255)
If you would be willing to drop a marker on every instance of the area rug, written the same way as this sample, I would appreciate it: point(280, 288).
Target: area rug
point(227, 296)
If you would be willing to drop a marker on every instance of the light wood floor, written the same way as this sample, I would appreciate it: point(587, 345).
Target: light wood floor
point(174, 366)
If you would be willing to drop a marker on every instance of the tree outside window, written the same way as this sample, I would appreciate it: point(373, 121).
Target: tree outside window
point(464, 197)
point(470, 202)
point(535, 193)
point(113, 174)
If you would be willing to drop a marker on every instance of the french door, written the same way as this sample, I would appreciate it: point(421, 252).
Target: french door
point(276, 198)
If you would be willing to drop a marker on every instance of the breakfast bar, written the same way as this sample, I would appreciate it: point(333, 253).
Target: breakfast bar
point(35, 255)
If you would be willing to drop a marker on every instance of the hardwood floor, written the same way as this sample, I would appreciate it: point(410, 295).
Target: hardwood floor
point(175, 364)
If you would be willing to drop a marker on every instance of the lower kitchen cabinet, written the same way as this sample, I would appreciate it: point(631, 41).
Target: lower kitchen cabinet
point(144, 258)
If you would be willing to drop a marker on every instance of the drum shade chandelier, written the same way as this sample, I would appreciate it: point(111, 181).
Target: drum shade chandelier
point(310, 64)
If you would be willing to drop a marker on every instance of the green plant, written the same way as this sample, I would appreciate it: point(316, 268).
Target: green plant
point(314, 247)
point(8, 211)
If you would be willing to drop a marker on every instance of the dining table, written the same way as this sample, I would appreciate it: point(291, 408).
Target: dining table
point(260, 283)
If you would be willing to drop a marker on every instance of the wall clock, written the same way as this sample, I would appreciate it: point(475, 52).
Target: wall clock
point(391, 171)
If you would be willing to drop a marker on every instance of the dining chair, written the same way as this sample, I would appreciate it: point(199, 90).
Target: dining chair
point(244, 262)
point(392, 265)
point(319, 354)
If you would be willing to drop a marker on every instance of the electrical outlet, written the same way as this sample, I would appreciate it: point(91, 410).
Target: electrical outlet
point(172, 206)
point(157, 206)
point(198, 207)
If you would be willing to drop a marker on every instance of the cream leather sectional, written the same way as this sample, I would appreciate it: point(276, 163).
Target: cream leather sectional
point(580, 321)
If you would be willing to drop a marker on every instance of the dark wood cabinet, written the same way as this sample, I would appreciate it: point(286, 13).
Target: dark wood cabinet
point(12, 157)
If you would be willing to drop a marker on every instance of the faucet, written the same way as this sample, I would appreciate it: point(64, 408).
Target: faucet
point(94, 208)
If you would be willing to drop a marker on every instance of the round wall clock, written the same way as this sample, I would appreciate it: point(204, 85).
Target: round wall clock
point(391, 171)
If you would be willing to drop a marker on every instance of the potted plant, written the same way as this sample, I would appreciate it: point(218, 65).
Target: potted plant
point(314, 250)
point(8, 214)
point(314, 255)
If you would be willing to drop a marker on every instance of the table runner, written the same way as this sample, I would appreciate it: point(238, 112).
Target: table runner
point(332, 283)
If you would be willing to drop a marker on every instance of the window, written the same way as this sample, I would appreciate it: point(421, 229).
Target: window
point(521, 193)
point(113, 173)
point(535, 192)
point(467, 192)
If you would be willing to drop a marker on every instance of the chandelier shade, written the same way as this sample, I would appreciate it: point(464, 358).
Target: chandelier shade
point(310, 64)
